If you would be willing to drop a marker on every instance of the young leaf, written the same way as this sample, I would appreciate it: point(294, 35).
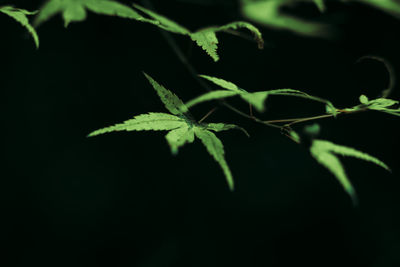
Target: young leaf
point(363, 99)
point(170, 100)
point(145, 122)
point(216, 149)
point(378, 104)
point(20, 16)
point(75, 10)
point(271, 13)
point(324, 152)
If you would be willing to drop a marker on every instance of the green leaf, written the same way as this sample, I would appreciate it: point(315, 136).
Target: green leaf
point(350, 152)
point(324, 152)
point(333, 164)
point(257, 99)
point(162, 21)
point(170, 100)
point(363, 99)
point(320, 4)
point(145, 122)
point(20, 16)
point(216, 149)
point(379, 104)
point(222, 83)
point(182, 128)
point(218, 127)
point(271, 13)
point(75, 10)
point(112, 8)
point(179, 137)
point(207, 38)
point(213, 95)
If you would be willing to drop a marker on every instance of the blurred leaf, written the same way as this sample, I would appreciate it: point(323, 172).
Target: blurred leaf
point(75, 10)
point(320, 4)
point(391, 7)
point(269, 13)
point(324, 152)
point(20, 16)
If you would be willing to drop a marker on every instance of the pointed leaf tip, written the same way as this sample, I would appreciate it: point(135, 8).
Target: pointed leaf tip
point(171, 102)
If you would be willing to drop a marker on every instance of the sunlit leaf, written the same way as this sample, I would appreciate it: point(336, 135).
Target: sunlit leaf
point(145, 122)
point(216, 149)
point(170, 100)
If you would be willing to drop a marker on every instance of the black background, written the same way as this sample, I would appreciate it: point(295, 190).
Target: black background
point(122, 199)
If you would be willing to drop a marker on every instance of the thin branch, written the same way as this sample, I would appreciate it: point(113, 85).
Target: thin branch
point(298, 120)
point(207, 115)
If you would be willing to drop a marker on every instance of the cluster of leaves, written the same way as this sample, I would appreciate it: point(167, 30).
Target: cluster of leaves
point(74, 11)
point(381, 104)
point(270, 13)
point(181, 126)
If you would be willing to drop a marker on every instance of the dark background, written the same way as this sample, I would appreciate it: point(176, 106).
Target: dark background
point(123, 200)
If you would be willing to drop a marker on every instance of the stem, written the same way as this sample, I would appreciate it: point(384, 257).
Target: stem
point(251, 110)
point(208, 114)
point(298, 120)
